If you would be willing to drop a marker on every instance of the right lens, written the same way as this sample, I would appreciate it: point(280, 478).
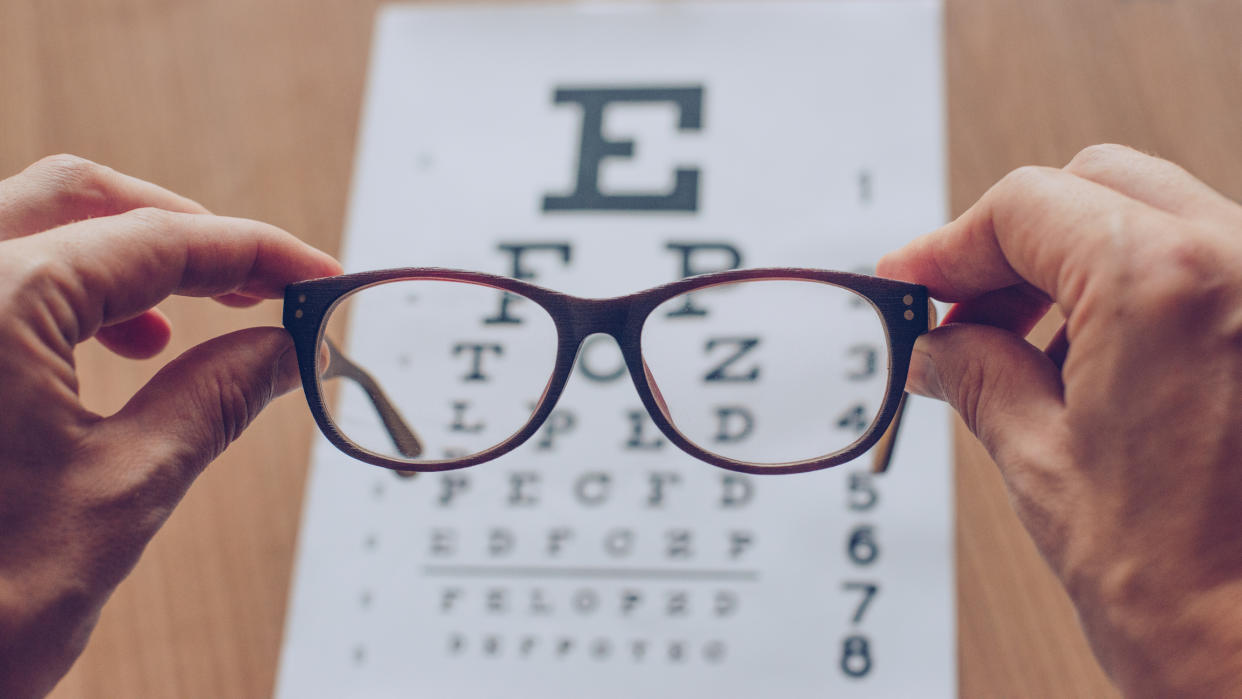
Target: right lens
point(769, 371)
point(434, 369)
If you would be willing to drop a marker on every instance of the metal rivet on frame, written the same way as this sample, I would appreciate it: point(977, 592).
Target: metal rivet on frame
point(909, 315)
point(298, 313)
point(302, 298)
point(908, 300)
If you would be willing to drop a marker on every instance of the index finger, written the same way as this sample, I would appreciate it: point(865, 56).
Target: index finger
point(60, 189)
point(110, 269)
point(1043, 226)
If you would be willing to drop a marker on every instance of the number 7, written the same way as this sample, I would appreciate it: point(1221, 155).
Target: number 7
point(869, 590)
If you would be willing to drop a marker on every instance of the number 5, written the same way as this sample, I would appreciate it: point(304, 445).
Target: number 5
point(863, 495)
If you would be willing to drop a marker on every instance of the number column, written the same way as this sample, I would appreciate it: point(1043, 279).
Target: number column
point(862, 551)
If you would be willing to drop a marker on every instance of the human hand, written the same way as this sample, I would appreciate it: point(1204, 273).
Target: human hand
point(1121, 444)
point(87, 252)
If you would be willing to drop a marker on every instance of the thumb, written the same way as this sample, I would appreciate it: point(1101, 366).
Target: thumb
point(201, 401)
point(1006, 390)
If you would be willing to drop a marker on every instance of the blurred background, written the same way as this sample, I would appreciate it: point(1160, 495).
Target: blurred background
point(251, 108)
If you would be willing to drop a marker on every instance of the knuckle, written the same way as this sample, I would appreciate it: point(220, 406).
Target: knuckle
point(1024, 178)
point(23, 271)
point(74, 181)
point(1097, 158)
point(65, 165)
point(1175, 276)
point(228, 404)
point(151, 217)
point(37, 281)
point(1190, 255)
point(236, 410)
point(1018, 193)
point(970, 391)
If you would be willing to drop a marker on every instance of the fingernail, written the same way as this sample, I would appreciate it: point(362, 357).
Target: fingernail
point(923, 378)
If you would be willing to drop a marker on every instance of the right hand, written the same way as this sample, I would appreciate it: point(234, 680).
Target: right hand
point(1121, 444)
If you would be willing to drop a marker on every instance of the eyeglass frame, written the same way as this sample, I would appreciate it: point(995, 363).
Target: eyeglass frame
point(904, 308)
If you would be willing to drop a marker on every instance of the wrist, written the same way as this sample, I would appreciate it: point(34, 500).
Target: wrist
point(1160, 635)
point(41, 634)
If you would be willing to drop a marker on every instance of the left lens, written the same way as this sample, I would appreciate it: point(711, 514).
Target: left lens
point(768, 371)
point(434, 369)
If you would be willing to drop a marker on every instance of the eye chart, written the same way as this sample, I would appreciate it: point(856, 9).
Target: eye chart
point(602, 149)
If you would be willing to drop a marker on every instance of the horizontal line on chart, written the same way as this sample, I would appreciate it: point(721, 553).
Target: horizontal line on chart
point(505, 571)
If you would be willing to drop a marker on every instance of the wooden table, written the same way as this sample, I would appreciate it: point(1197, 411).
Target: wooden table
point(251, 108)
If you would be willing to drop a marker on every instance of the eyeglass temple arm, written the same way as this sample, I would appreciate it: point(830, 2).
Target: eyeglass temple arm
point(403, 436)
point(883, 452)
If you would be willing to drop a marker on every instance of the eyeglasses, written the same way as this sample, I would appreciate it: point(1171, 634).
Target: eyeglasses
point(760, 370)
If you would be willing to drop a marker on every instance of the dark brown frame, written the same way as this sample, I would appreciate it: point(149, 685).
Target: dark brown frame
point(904, 308)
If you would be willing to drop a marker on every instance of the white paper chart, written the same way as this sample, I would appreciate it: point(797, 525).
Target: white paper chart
point(599, 150)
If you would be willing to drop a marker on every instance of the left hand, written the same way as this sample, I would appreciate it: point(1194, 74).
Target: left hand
point(88, 252)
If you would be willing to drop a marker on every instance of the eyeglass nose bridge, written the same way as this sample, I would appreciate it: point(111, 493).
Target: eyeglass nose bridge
point(619, 318)
point(589, 317)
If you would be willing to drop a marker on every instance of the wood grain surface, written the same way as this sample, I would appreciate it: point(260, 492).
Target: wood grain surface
point(252, 107)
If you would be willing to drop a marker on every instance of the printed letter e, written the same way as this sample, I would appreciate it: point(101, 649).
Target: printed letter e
point(594, 148)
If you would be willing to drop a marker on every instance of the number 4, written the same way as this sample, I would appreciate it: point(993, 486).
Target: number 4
point(854, 418)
